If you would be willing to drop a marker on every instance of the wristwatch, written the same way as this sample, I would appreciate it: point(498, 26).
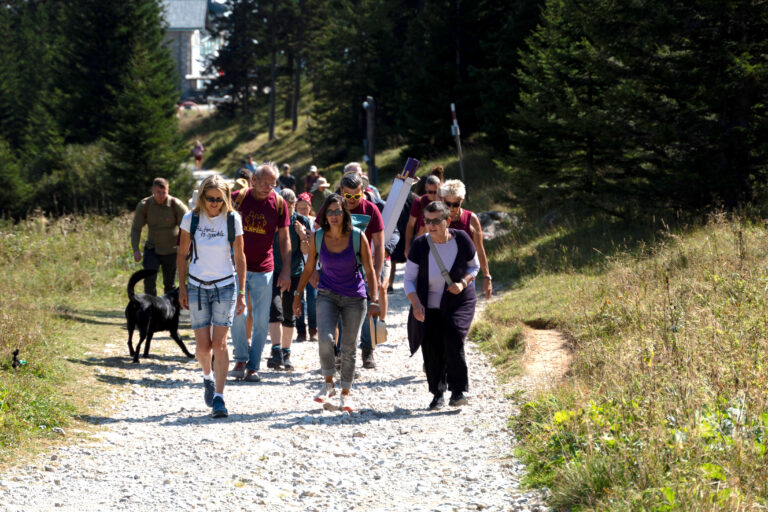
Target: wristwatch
point(488, 277)
point(296, 293)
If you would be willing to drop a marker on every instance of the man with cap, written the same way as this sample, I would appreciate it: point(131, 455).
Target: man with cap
point(311, 178)
point(319, 193)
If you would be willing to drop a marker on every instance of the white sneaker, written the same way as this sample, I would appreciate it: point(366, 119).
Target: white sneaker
point(326, 392)
point(346, 403)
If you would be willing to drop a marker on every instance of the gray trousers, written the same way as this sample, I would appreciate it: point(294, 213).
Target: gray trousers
point(352, 310)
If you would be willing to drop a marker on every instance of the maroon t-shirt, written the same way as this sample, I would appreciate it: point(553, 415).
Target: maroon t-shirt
point(260, 222)
point(417, 209)
point(376, 224)
point(464, 223)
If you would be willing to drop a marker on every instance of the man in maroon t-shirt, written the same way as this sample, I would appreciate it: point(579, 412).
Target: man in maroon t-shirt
point(416, 219)
point(263, 214)
point(352, 192)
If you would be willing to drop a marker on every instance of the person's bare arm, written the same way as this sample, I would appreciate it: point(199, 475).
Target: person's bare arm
point(409, 234)
point(240, 265)
point(181, 267)
point(477, 238)
point(302, 232)
point(378, 253)
point(371, 276)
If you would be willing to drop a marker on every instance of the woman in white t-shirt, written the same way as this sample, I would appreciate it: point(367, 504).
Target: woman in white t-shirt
point(212, 296)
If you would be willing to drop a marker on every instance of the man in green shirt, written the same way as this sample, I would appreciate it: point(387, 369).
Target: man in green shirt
point(162, 214)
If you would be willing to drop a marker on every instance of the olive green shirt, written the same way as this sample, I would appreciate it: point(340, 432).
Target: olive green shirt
point(163, 224)
point(318, 198)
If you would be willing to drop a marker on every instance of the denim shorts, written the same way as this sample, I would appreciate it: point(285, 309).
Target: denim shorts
point(216, 306)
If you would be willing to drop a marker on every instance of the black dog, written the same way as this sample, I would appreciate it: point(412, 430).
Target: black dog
point(152, 314)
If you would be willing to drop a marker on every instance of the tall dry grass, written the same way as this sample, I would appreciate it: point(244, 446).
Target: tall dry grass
point(50, 267)
point(667, 406)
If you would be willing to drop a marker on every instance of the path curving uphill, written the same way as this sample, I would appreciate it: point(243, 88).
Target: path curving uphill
point(159, 449)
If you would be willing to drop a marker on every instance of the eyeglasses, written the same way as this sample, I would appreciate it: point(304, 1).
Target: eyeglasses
point(434, 222)
point(431, 192)
point(353, 196)
point(214, 199)
point(452, 205)
point(334, 213)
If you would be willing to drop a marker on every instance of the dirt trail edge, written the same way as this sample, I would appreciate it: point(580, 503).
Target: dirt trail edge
point(546, 359)
point(159, 449)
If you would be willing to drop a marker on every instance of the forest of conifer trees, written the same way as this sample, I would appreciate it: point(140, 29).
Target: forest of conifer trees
point(625, 108)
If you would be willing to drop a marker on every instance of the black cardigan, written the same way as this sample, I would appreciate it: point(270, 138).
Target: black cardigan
point(458, 310)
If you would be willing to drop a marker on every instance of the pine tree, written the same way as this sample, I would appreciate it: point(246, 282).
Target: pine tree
point(236, 60)
point(144, 142)
point(99, 41)
point(14, 193)
point(629, 107)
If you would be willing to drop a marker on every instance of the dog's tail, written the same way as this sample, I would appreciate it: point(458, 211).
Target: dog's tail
point(136, 277)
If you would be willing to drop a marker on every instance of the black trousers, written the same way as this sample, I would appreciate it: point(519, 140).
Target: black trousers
point(155, 261)
point(443, 351)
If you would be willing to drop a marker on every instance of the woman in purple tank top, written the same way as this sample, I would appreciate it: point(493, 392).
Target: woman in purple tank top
point(340, 292)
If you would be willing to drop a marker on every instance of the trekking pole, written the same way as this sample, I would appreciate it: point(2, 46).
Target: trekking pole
point(457, 137)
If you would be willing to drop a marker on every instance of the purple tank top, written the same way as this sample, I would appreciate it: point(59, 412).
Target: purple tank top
point(339, 272)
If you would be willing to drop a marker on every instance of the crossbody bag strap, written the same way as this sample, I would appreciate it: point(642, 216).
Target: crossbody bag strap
point(443, 271)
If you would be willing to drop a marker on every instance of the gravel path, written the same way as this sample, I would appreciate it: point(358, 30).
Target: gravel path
point(159, 449)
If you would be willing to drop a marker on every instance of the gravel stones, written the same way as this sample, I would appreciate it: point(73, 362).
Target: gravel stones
point(160, 449)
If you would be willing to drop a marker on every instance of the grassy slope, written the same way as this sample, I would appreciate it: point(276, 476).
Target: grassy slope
point(62, 292)
point(666, 407)
point(228, 141)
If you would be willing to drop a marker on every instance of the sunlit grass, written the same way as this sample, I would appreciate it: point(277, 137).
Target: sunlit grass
point(667, 405)
point(52, 270)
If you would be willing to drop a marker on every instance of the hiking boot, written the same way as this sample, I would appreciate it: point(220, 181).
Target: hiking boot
point(287, 365)
point(219, 410)
point(301, 336)
point(346, 403)
point(238, 371)
point(275, 361)
point(368, 361)
point(438, 402)
point(312, 334)
point(209, 387)
point(325, 393)
point(457, 399)
point(252, 376)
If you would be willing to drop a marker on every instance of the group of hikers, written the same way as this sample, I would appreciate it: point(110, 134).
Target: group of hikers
point(255, 260)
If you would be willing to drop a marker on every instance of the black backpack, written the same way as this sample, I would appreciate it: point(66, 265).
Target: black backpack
point(230, 234)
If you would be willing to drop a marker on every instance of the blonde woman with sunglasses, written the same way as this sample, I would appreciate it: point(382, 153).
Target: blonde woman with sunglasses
point(216, 289)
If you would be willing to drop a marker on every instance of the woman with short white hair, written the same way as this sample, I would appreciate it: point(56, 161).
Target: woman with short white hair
point(453, 193)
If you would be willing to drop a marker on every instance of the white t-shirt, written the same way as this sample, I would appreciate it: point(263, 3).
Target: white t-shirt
point(214, 256)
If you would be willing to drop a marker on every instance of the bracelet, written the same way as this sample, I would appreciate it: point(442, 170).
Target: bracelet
point(241, 292)
point(464, 282)
point(373, 304)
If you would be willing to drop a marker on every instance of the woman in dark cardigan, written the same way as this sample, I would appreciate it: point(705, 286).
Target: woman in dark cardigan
point(440, 313)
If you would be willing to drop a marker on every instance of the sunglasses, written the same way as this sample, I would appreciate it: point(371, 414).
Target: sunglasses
point(431, 192)
point(334, 213)
point(434, 222)
point(353, 196)
point(214, 199)
point(452, 205)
